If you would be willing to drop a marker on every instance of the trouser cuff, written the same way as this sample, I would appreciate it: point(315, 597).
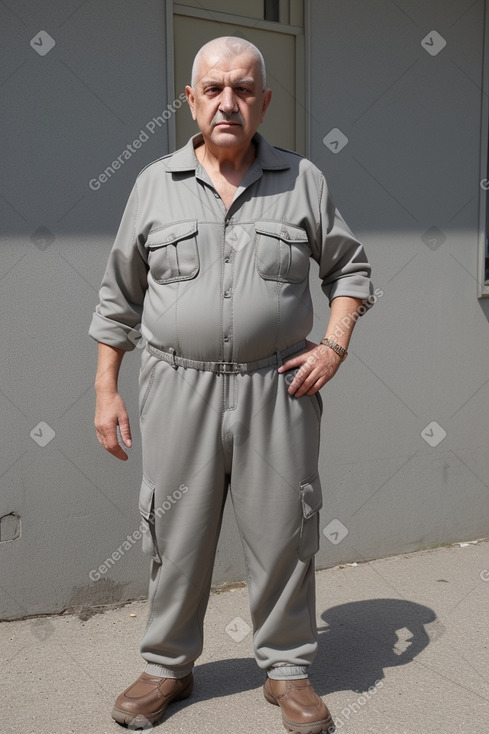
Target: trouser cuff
point(289, 672)
point(161, 672)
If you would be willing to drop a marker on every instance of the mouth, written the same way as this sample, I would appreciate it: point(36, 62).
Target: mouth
point(227, 123)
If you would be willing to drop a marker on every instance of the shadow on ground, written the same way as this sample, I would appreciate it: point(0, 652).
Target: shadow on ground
point(360, 639)
point(357, 642)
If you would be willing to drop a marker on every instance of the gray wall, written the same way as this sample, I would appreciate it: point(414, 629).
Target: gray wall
point(66, 116)
point(411, 163)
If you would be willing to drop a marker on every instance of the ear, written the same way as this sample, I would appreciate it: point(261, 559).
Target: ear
point(189, 92)
point(267, 96)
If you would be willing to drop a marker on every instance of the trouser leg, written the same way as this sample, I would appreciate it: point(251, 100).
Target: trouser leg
point(276, 496)
point(182, 495)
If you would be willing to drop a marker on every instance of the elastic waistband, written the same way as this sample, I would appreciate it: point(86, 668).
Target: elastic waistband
point(225, 368)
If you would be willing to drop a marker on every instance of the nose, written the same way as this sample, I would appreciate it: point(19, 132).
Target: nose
point(228, 103)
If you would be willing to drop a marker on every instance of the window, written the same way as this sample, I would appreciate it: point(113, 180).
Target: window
point(272, 10)
point(275, 11)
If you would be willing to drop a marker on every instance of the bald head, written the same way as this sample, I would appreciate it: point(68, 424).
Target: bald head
point(227, 98)
point(227, 47)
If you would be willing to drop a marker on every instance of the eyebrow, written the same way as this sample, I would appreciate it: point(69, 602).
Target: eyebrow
point(217, 83)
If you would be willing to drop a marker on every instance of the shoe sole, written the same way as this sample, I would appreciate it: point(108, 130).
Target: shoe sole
point(327, 726)
point(139, 720)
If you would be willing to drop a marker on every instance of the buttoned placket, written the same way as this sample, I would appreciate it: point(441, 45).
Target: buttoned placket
point(227, 288)
point(229, 242)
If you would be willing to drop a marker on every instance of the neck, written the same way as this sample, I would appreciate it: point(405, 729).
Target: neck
point(231, 159)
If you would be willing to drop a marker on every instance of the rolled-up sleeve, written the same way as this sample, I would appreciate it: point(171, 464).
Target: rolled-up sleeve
point(118, 314)
point(343, 265)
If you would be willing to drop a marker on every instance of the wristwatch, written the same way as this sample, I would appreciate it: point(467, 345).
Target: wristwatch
point(335, 347)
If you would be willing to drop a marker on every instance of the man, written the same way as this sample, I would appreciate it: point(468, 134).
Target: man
point(212, 258)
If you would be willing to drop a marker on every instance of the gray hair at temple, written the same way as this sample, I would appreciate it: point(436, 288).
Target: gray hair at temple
point(229, 46)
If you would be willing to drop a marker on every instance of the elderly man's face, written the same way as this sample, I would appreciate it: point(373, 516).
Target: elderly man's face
point(227, 101)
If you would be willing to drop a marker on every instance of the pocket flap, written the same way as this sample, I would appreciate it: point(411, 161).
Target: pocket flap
point(146, 497)
point(285, 232)
point(311, 496)
point(171, 234)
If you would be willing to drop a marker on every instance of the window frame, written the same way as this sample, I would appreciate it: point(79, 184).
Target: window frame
point(483, 265)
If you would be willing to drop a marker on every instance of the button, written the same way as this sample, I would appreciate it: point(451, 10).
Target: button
point(226, 338)
point(227, 259)
point(227, 294)
point(233, 236)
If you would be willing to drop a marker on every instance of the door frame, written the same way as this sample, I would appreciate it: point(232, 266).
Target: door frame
point(302, 100)
point(483, 289)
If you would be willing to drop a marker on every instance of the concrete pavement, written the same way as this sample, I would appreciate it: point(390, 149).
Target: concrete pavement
point(404, 648)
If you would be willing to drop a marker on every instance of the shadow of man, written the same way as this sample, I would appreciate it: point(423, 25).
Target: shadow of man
point(356, 643)
point(362, 638)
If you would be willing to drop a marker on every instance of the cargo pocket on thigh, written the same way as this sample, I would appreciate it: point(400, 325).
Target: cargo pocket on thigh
point(147, 510)
point(312, 501)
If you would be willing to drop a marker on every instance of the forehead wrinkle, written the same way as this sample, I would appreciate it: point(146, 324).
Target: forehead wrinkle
point(211, 64)
point(218, 82)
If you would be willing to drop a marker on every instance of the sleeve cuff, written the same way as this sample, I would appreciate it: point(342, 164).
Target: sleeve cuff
point(107, 331)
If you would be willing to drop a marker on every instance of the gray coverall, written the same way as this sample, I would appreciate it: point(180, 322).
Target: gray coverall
point(232, 287)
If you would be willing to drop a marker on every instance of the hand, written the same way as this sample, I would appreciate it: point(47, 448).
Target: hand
point(111, 412)
point(315, 366)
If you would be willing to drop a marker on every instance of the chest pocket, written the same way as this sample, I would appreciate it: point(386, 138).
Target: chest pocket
point(282, 252)
point(173, 253)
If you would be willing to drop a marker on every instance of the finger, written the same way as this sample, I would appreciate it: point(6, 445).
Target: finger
point(119, 453)
point(293, 362)
point(109, 441)
point(309, 380)
point(319, 380)
point(301, 382)
point(317, 386)
point(125, 430)
point(304, 388)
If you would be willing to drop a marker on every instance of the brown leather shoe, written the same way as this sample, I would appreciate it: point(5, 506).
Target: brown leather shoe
point(303, 712)
point(146, 700)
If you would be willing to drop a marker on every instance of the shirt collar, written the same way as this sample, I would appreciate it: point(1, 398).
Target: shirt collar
point(267, 156)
